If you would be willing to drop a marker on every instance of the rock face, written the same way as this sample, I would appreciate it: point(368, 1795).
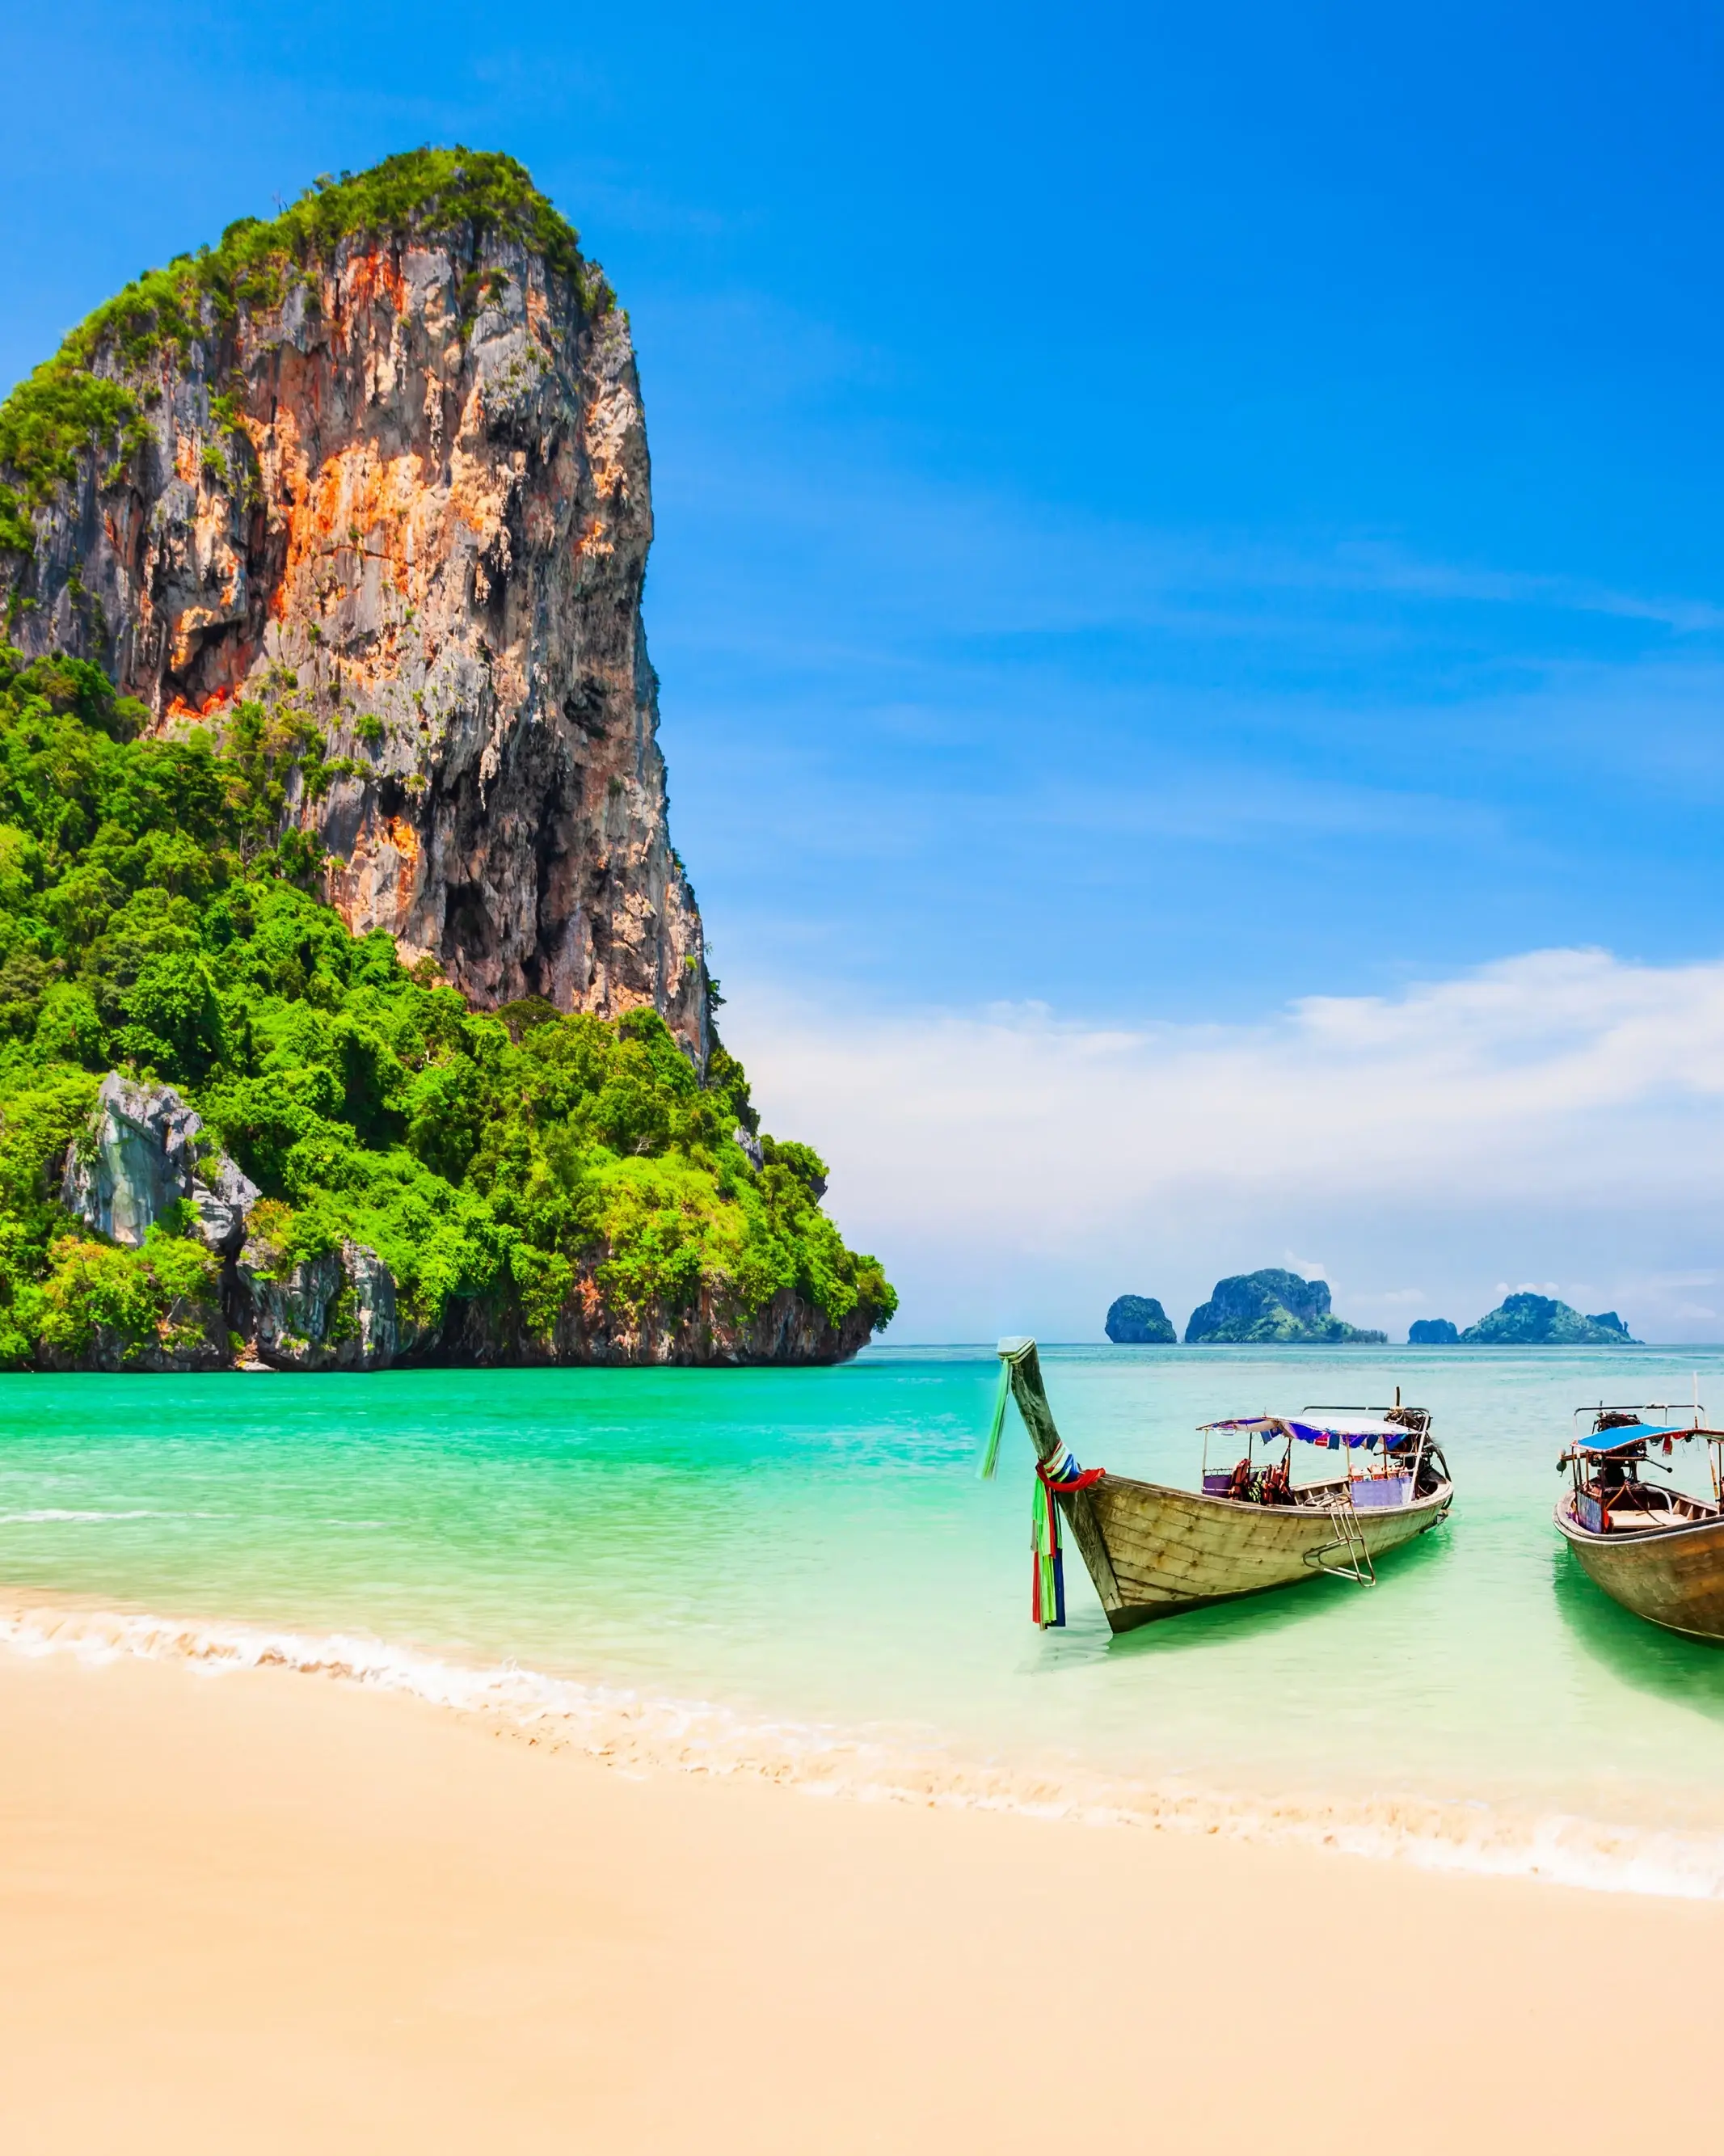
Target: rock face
point(337, 1311)
point(145, 1151)
point(1138, 1320)
point(587, 1330)
point(401, 504)
point(1432, 1332)
point(1540, 1321)
point(1271, 1306)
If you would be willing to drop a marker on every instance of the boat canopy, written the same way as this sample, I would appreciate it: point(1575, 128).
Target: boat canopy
point(1632, 1433)
point(1356, 1431)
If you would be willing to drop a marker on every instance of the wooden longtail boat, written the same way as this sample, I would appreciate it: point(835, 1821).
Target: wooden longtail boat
point(1656, 1550)
point(1152, 1550)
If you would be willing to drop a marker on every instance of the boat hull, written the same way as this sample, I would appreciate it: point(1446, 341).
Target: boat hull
point(1172, 1549)
point(1670, 1576)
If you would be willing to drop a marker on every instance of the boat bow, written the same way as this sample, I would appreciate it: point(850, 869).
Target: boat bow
point(1023, 1369)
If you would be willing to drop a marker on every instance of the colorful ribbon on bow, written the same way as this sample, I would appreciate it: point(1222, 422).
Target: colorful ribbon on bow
point(1047, 1592)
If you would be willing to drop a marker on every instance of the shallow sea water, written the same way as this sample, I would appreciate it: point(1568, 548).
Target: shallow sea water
point(798, 1573)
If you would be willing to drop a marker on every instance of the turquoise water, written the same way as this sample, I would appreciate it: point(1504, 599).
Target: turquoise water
point(806, 1560)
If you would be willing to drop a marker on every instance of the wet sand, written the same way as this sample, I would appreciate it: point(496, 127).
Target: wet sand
point(263, 1912)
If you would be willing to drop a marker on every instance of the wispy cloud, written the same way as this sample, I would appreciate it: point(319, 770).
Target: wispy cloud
point(1555, 1116)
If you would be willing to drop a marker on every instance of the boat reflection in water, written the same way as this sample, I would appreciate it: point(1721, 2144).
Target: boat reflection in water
point(1655, 1550)
point(1152, 1550)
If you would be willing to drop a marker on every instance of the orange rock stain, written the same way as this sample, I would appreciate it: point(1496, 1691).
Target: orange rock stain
point(353, 490)
point(179, 710)
point(369, 274)
point(405, 840)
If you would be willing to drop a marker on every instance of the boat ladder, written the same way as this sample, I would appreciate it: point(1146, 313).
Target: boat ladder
point(1350, 1550)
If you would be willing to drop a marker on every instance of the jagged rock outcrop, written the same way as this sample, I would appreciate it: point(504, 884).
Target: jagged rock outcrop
point(1526, 1320)
point(1138, 1320)
point(145, 1151)
point(1432, 1332)
point(1271, 1306)
point(396, 496)
point(335, 1312)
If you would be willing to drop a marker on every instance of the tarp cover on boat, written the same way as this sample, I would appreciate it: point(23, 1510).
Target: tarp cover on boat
point(1334, 1435)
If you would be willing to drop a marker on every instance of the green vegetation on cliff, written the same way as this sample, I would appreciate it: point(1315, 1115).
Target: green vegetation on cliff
point(153, 917)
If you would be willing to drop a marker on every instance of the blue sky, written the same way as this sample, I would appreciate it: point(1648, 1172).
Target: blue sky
point(1163, 514)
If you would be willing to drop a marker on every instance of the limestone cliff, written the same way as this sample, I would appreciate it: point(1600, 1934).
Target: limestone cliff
point(321, 557)
point(375, 477)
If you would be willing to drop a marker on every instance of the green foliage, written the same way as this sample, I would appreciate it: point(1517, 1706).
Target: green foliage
point(52, 416)
point(87, 396)
point(164, 1296)
point(154, 915)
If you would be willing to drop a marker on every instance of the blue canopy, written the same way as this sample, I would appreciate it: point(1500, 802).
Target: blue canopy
point(1629, 1433)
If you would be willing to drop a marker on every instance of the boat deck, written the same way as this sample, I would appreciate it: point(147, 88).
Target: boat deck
point(1636, 1508)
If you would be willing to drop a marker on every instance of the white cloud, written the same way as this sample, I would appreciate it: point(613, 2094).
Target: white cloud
point(1554, 1114)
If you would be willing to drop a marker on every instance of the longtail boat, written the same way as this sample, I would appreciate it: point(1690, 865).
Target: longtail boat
point(1655, 1550)
point(1152, 1550)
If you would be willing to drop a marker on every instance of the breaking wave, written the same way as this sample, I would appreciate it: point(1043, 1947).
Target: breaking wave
point(53, 1513)
point(636, 1732)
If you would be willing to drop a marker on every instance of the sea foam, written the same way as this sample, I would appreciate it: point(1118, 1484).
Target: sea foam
point(58, 1515)
point(640, 1732)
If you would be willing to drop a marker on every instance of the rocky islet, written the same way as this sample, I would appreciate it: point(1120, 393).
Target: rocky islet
point(1138, 1320)
point(1271, 1306)
point(1526, 1320)
point(1276, 1306)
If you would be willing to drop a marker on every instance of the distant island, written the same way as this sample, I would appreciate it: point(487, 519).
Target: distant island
point(1527, 1320)
point(1271, 1306)
point(1275, 1306)
point(1138, 1320)
point(1540, 1321)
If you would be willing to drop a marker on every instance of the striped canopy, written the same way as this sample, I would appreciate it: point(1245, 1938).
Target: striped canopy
point(1359, 1430)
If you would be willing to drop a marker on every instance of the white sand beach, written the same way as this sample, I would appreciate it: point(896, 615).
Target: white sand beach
point(264, 1912)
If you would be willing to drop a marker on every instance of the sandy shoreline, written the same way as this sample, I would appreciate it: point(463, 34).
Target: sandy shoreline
point(645, 1732)
point(256, 1911)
